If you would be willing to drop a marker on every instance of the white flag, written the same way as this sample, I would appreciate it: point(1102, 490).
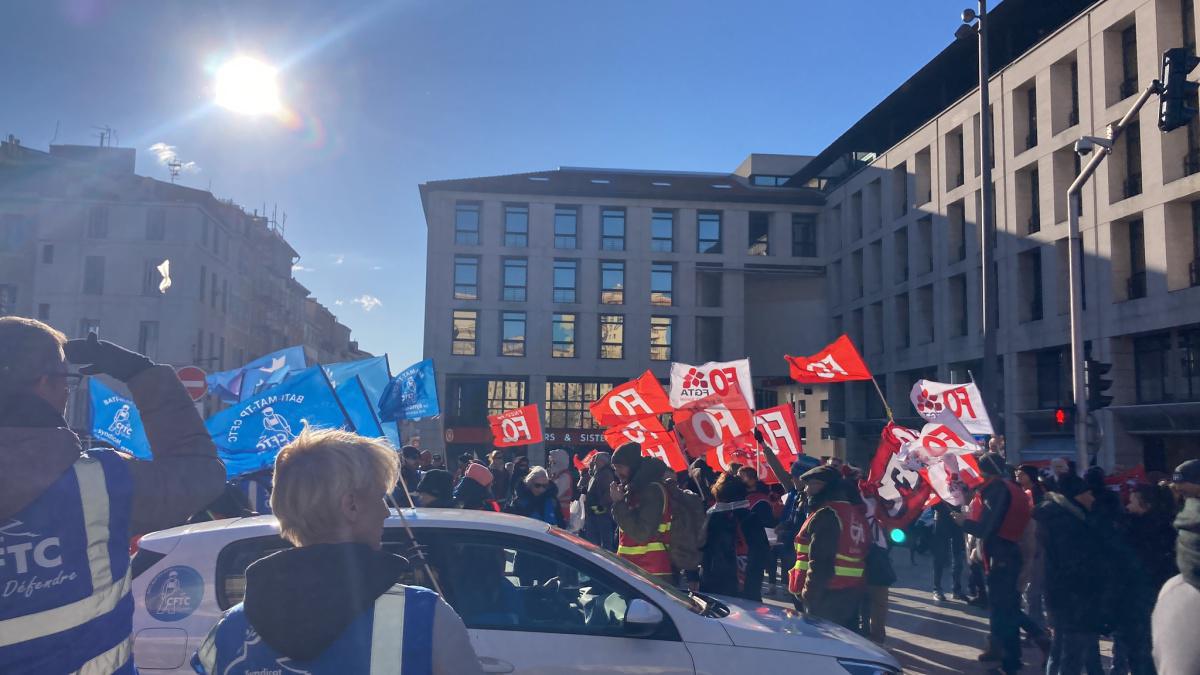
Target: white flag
point(690, 384)
point(935, 401)
point(165, 270)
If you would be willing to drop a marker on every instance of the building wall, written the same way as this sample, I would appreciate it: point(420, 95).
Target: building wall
point(748, 326)
point(922, 172)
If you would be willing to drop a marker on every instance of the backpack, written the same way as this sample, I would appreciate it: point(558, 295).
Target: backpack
point(687, 526)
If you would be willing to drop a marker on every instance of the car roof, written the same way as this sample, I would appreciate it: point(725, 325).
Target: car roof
point(237, 528)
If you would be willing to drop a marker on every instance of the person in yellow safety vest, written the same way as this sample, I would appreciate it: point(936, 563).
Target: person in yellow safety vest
point(67, 516)
point(831, 550)
point(334, 603)
point(642, 510)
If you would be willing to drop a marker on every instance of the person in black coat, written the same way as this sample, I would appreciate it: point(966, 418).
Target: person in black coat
point(732, 531)
point(1076, 578)
point(1144, 560)
point(948, 544)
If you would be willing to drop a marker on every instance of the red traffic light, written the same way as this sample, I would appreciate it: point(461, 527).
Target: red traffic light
point(1060, 417)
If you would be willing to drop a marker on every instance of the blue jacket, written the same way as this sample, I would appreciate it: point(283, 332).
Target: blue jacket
point(64, 573)
point(394, 636)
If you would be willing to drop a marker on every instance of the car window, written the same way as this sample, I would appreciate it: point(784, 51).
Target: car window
point(685, 600)
point(514, 583)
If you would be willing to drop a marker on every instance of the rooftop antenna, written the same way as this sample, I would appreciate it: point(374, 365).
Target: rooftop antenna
point(106, 134)
point(173, 167)
point(56, 123)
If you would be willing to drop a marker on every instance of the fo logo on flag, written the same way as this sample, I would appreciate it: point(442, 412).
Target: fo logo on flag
point(516, 427)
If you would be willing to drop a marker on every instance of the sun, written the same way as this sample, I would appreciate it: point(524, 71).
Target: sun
point(248, 86)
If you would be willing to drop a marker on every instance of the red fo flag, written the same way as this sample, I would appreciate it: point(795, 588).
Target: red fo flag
point(781, 435)
point(634, 399)
point(582, 464)
point(838, 362)
point(900, 492)
point(717, 432)
point(652, 437)
point(522, 426)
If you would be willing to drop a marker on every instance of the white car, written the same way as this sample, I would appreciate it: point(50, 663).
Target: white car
point(558, 603)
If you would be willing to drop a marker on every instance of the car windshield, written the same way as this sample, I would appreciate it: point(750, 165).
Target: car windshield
point(689, 601)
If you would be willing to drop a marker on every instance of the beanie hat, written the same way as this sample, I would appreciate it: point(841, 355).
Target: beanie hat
point(435, 482)
point(629, 455)
point(1188, 472)
point(1071, 486)
point(825, 473)
point(410, 452)
point(479, 473)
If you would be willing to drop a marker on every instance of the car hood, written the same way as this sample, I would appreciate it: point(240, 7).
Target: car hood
point(759, 626)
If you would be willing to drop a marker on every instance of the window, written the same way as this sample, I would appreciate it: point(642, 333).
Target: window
point(956, 232)
point(43, 312)
point(1035, 199)
point(515, 279)
point(824, 405)
point(204, 231)
point(150, 278)
point(516, 225)
point(463, 332)
point(466, 223)
point(1031, 136)
point(8, 299)
point(568, 403)
point(212, 291)
point(505, 395)
point(708, 288)
point(564, 280)
point(97, 227)
point(1137, 259)
point(662, 231)
point(825, 435)
point(1133, 160)
point(1053, 378)
point(660, 338)
point(708, 232)
point(760, 233)
point(512, 334)
point(1190, 343)
point(1187, 18)
point(900, 254)
point(1194, 265)
point(203, 282)
point(612, 283)
point(47, 253)
point(612, 336)
point(156, 224)
point(566, 226)
point(93, 275)
point(804, 235)
point(763, 180)
point(708, 338)
point(1129, 64)
point(562, 336)
point(466, 277)
point(1150, 354)
point(1030, 265)
point(1073, 113)
point(662, 280)
point(903, 329)
point(612, 229)
point(148, 338)
point(13, 231)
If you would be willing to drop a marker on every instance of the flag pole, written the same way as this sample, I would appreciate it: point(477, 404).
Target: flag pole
point(887, 408)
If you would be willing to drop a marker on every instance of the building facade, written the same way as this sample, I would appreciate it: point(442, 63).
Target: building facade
point(900, 224)
point(82, 236)
point(551, 287)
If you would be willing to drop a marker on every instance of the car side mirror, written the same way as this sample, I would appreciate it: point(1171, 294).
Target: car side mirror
point(642, 618)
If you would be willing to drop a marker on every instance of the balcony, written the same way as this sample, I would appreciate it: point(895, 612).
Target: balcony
point(1136, 286)
point(1132, 185)
point(1191, 162)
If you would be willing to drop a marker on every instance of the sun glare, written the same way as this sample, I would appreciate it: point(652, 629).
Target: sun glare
point(248, 86)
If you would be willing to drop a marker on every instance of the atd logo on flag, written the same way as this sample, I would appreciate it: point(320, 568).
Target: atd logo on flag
point(516, 427)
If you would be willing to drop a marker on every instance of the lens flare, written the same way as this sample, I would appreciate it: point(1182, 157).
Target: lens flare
point(248, 86)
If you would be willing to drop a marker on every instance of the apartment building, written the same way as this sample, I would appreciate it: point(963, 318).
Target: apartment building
point(900, 228)
point(81, 237)
point(551, 287)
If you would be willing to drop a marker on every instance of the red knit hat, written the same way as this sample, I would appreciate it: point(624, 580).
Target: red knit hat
point(478, 473)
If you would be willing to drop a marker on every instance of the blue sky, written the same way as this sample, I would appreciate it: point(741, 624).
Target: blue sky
point(394, 93)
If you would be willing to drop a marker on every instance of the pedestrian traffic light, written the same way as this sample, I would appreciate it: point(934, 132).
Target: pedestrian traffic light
point(1061, 417)
point(1097, 384)
point(1177, 98)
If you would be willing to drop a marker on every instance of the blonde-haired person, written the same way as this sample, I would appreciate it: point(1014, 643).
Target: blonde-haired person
point(69, 514)
point(333, 604)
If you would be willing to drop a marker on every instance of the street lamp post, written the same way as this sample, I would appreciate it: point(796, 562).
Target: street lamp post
point(987, 226)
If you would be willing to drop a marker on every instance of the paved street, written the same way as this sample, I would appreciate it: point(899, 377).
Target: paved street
point(934, 639)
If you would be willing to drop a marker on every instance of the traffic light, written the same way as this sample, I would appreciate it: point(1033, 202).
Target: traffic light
point(898, 536)
point(1094, 376)
point(1177, 99)
point(1062, 418)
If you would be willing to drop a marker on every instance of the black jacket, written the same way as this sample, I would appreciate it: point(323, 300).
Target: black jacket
point(1152, 538)
point(1077, 577)
point(719, 566)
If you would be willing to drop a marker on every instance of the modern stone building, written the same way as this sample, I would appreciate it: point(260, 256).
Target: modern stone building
point(902, 193)
point(550, 287)
point(81, 237)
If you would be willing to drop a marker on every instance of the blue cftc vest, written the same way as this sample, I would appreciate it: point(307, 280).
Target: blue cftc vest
point(394, 637)
point(64, 574)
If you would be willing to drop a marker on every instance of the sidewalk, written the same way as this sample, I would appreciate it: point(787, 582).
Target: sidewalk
point(938, 639)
